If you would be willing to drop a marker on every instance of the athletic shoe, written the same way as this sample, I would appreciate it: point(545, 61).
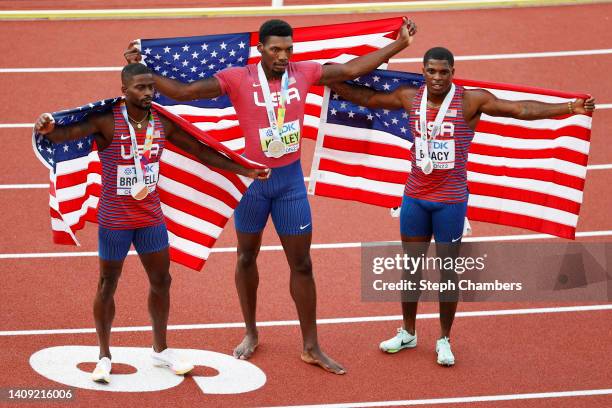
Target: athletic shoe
point(168, 358)
point(445, 355)
point(102, 371)
point(402, 340)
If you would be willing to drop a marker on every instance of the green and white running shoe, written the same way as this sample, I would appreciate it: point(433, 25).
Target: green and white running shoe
point(445, 355)
point(402, 340)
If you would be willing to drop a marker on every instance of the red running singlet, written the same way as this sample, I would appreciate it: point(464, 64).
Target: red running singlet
point(442, 185)
point(117, 209)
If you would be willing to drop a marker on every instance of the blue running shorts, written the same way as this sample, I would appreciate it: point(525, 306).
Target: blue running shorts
point(284, 196)
point(113, 245)
point(421, 218)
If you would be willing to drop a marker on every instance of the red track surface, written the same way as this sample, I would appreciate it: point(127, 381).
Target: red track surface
point(496, 354)
point(118, 4)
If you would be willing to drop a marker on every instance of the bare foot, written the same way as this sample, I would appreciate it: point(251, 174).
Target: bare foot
point(247, 347)
point(317, 357)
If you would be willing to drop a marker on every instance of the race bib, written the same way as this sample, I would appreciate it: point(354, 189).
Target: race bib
point(441, 152)
point(126, 178)
point(289, 134)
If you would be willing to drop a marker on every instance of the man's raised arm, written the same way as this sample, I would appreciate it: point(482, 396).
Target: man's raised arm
point(100, 124)
point(485, 102)
point(369, 62)
point(202, 89)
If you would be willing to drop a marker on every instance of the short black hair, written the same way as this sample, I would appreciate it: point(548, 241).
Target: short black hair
point(278, 28)
point(439, 53)
point(131, 70)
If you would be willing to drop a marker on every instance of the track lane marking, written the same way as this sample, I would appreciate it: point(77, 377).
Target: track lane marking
point(373, 7)
point(338, 245)
point(484, 57)
point(459, 400)
point(343, 320)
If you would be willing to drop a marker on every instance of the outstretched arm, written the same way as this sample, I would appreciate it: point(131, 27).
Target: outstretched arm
point(486, 102)
point(206, 155)
point(202, 89)
point(369, 62)
point(98, 124)
point(399, 98)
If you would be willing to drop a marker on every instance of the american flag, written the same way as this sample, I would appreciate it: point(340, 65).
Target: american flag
point(189, 59)
point(196, 200)
point(527, 174)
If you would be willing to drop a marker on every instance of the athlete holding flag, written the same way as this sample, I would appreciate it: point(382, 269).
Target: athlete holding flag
point(269, 99)
point(442, 118)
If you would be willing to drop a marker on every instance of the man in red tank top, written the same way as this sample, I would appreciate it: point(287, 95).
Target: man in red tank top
point(258, 93)
point(442, 119)
point(130, 139)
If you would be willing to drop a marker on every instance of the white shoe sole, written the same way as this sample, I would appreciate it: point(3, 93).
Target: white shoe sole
point(162, 364)
point(446, 363)
point(412, 344)
point(102, 379)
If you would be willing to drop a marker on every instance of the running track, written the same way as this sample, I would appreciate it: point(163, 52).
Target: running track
point(497, 355)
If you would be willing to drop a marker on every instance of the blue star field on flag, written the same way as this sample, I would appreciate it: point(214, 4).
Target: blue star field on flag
point(342, 112)
point(53, 153)
point(188, 59)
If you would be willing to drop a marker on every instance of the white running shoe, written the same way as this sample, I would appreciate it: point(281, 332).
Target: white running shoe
point(445, 355)
point(168, 358)
point(102, 371)
point(402, 340)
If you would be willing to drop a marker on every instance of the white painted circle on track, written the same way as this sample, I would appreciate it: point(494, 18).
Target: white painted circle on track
point(60, 364)
point(235, 376)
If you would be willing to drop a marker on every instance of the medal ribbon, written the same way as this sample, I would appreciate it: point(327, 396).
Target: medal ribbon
point(141, 165)
point(437, 122)
point(276, 120)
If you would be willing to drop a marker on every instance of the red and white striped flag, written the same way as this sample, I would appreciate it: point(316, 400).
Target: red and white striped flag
point(196, 200)
point(527, 174)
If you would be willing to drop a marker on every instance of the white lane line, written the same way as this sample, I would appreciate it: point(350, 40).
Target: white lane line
point(459, 400)
point(484, 57)
point(16, 125)
point(338, 245)
point(521, 55)
point(373, 7)
point(306, 179)
point(58, 69)
point(22, 186)
point(599, 167)
point(340, 320)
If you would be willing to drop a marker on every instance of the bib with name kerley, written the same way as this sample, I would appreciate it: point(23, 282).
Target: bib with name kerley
point(280, 138)
point(431, 153)
point(289, 136)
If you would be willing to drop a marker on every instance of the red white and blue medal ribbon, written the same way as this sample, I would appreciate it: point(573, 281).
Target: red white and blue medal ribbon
point(276, 148)
point(139, 190)
point(426, 164)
